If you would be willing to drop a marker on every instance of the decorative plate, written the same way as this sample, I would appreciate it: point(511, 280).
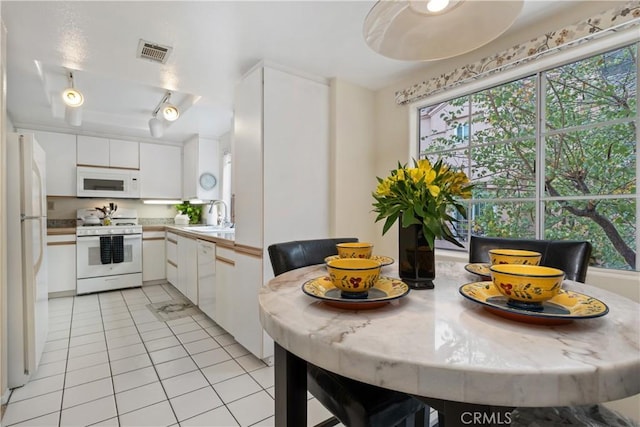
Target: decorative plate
point(208, 181)
point(386, 289)
point(479, 268)
point(563, 308)
point(383, 260)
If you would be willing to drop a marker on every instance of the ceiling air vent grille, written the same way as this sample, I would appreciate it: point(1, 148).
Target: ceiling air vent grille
point(153, 52)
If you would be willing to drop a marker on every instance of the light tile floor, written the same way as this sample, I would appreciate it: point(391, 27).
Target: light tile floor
point(109, 361)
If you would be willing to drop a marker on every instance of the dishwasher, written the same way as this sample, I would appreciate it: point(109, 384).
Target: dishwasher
point(207, 277)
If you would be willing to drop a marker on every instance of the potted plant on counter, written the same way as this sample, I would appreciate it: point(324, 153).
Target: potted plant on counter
point(194, 212)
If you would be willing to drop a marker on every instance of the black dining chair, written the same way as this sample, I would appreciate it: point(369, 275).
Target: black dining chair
point(570, 256)
point(353, 403)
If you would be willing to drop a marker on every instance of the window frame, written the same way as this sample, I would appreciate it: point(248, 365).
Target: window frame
point(537, 67)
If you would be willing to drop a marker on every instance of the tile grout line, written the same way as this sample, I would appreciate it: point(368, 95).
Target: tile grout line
point(123, 305)
point(106, 344)
point(246, 372)
point(89, 382)
point(135, 324)
point(198, 369)
point(66, 362)
point(63, 381)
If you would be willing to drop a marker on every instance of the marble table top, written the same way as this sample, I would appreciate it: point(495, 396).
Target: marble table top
point(435, 343)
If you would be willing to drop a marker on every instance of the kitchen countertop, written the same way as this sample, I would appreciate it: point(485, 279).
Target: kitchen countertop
point(222, 238)
point(58, 231)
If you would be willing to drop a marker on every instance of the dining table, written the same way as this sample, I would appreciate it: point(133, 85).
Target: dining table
point(471, 362)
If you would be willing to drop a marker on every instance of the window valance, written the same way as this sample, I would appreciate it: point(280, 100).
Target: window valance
point(612, 20)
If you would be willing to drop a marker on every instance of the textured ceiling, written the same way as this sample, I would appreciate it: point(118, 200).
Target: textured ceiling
point(214, 43)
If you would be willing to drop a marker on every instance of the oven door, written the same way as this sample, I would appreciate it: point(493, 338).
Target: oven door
point(90, 262)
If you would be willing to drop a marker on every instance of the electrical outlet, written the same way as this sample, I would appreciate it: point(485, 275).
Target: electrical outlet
point(50, 205)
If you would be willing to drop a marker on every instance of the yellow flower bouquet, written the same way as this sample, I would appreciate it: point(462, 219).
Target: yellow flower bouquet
point(421, 195)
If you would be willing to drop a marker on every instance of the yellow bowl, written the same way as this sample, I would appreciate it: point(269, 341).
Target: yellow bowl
point(514, 256)
point(527, 286)
point(354, 276)
point(355, 250)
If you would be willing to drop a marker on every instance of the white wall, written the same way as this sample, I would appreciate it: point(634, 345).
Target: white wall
point(352, 162)
point(5, 124)
point(393, 145)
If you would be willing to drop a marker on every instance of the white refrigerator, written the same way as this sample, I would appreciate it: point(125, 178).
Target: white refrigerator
point(28, 305)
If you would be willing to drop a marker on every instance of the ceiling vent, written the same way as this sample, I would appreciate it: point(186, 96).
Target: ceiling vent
point(153, 52)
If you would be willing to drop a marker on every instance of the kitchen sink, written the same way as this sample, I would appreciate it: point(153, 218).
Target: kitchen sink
point(210, 229)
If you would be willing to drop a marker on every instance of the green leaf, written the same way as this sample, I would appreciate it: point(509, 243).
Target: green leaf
point(388, 223)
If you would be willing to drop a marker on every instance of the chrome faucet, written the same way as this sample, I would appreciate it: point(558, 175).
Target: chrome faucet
point(222, 221)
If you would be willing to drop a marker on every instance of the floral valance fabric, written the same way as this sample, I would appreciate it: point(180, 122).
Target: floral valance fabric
point(612, 20)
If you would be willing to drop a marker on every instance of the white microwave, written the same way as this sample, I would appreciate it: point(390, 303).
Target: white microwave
point(108, 182)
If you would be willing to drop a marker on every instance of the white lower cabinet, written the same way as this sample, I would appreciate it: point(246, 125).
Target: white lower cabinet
point(207, 278)
point(153, 255)
point(224, 309)
point(247, 329)
point(171, 250)
point(188, 268)
point(61, 263)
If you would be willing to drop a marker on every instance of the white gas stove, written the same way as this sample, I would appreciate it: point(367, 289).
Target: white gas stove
point(108, 257)
point(90, 222)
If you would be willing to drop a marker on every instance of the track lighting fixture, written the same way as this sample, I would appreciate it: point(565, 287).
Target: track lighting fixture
point(168, 112)
point(73, 100)
point(156, 127)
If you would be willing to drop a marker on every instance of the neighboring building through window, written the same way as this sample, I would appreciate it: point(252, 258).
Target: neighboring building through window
point(554, 155)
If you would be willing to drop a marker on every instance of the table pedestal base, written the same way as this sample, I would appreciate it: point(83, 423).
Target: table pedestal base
point(291, 388)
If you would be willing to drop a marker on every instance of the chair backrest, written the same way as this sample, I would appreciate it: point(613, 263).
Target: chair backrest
point(570, 256)
point(301, 253)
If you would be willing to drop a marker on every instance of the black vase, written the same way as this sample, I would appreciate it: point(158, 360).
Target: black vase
point(416, 259)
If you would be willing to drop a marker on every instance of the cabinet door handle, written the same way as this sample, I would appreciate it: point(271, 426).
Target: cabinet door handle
point(225, 260)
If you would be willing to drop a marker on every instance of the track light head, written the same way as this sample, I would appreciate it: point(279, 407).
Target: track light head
point(156, 127)
point(71, 96)
point(170, 112)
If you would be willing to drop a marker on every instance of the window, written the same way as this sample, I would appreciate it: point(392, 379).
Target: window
point(554, 155)
point(462, 131)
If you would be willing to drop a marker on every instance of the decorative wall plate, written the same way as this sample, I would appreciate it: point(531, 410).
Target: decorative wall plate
point(563, 308)
point(386, 289)
point(208, 181)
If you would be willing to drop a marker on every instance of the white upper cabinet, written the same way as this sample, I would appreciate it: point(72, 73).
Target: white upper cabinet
point(281, 166)
point(124, 154)
point(60, 149)
point(160, 171)
point(95, 151)
point(200, 169)
point(281, 178)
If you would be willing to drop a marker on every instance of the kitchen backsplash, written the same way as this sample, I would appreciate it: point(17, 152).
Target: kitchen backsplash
point(61, 210)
